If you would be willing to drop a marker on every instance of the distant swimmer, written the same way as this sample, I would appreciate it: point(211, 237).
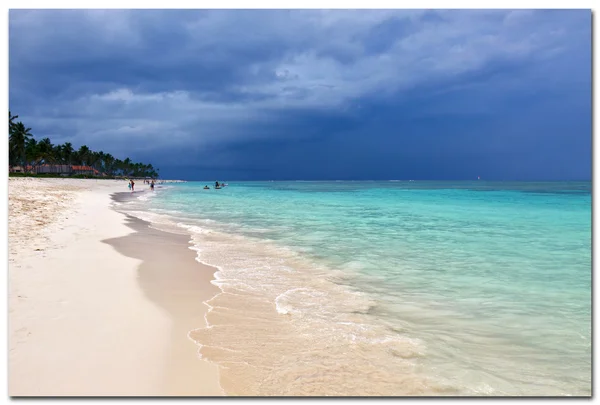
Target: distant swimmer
point(206, 188)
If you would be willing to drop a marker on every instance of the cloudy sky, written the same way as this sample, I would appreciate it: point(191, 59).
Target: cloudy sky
point(312, 94)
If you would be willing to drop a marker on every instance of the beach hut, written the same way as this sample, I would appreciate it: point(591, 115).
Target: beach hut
point(84, 170)
point(54, 169)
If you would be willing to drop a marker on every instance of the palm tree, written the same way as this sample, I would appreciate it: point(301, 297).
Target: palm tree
point(58, 155)
point(18, 138)
point(67, 150)
point(92, 159)
point(137, 169)
point(13, 159)
point(118, 165)
point(109, 162)
point(75, 158)
point(84, 154)
point(98, 160)
point(127, 167)
point(47, 151)
point(31, 151)
point(11, 123)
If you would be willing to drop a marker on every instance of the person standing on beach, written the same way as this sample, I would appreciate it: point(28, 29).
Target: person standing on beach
point(132, 185)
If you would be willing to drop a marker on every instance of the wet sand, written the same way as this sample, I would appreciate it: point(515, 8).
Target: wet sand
point(171, 278)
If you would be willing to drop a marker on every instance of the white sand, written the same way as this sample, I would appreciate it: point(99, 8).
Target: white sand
point(79, 324)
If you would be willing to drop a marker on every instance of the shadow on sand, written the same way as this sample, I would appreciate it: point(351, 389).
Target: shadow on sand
point(171, 278)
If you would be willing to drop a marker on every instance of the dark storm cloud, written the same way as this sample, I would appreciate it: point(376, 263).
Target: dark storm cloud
point(316, 93)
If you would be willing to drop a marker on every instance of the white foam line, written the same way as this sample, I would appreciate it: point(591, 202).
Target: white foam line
point(280, 308)
point(199, 354)
point(200, 346)
point(210, 308)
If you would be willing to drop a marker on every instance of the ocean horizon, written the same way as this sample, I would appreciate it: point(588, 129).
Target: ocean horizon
point(211, 181)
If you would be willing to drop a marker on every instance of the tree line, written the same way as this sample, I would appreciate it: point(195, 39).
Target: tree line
point(25, 151)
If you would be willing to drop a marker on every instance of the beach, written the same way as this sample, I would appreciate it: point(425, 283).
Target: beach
point(89, 314)
point(334, 290)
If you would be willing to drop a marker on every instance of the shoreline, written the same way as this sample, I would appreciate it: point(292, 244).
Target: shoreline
point(79, 322)
point(249, 313)
point(248, 333)
point(173, 280)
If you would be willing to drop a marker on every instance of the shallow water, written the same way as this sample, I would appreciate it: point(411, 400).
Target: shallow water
point(392, 288)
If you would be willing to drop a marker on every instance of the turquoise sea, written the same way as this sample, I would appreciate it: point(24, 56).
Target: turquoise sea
point(392, 287)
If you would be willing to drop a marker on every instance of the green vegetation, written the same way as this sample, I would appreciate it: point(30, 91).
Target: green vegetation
point(25, 151)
